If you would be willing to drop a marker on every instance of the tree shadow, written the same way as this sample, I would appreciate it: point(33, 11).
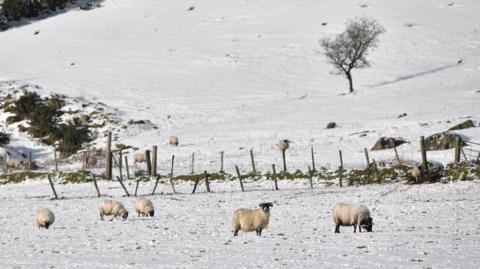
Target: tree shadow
point(410, 76)
point(83, 5)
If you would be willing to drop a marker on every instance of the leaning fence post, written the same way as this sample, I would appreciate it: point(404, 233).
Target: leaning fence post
point(239, 178)
point(156, 183)
point(53, 187)
point(123, 186)
point(424, 154)
point(96, 185)
point(206, 181)
point(274, 175)
point(310, 177)
point(196, 183)
point(171, 175)
point(340, 170)
point(253, 161)
point(396, 154)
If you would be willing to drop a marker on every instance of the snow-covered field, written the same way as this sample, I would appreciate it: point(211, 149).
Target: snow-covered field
point(427, 226)
point(235, 75)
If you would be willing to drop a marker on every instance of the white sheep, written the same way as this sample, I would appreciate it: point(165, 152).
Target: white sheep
point(144, 207)
point(416, 172)
point(251, 219)
point(44, 218)
point(173, 140)
point(283, 144)
point(114, 208)
point(139, 158)
point(345, 214)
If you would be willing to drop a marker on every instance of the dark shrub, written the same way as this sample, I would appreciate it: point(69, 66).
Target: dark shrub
point(4, 139)
point(72, 136)
point(25, 106)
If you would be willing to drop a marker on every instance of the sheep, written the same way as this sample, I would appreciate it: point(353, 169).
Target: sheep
point(173, 140)
point(345, 214)
point(251, 219)
point(139, 158)
point(14, 163)
point(144, 207)
point(115, 208)
point(416, 172)
point(283, 144)
point(44, 218)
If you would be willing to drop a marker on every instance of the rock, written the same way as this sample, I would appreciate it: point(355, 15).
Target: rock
point(331, 125)
point(388, 143)
point(402, 115)
point(84, 119)
point(464, 125)
point(442, 141)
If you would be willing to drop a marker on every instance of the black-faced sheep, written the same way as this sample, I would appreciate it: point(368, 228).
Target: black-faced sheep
point(112, 208)
point(44, 218)
point(144, 207)
point(251, 219)
point(345, 214)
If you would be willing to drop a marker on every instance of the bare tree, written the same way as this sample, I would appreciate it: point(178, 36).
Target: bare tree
point(349, 49)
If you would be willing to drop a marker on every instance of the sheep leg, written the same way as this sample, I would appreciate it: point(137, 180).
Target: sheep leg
point(359, 228)
point(259, 232)
point(355, 228)
point(337, 229)
point(235, 233)
point(101, 216)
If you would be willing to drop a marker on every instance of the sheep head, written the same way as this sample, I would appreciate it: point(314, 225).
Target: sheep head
point(367, 224)
point(125, 215)
point(265, 207)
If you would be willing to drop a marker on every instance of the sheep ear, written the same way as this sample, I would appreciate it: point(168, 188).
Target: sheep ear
point(265, 205)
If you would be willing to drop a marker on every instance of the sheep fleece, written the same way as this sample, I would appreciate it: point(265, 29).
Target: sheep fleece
point(249, 219)
point(349, 214)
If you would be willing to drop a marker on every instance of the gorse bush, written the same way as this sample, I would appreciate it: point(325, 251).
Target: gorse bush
point(72, 135)
point(25, 106)
point(15, 10)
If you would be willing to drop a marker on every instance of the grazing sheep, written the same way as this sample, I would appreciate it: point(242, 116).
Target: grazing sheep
point(283, 144)
point(139, 158)
point(44, 218)
point(345, 214)
point(173, 140)
point(251, 219)
point(14, 163)
point(115, 208)
point(144, 207)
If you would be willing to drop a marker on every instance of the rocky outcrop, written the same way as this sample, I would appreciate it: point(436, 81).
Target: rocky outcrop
point(388, 143)
point(442, 141)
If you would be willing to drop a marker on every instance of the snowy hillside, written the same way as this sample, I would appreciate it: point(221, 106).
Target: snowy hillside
point(237, 75)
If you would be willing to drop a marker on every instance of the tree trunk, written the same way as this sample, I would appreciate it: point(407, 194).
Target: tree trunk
point(350, 82)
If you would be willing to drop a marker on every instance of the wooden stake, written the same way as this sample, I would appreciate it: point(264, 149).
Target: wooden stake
point(239, 178)
point(126, 167)
point(424, 154)
point(376, 170)
point(463, 153)
point(478, 157)
point(120, 164)
point(284, 161)
point(149, 162)
point(136, 187)
point(171, 175)
point(396, 154)
point(274, 175)
point(196, 183)
point(108, 157)
point(221, 162)
point(313, 159)
point(56, 161)
point(340, 170)
point(310, 177)
point(156, 183)
point(456, 158)
point(53, 187)
point(154, 161)
point(206, 181)
point(123, 186)
point(96, 185)
point(253, 161)
point(367, 158)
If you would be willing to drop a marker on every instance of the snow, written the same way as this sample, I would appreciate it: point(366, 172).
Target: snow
point(427, 226)
point(239, 75)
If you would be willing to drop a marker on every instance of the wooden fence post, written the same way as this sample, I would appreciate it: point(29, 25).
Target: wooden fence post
point(396, 154)
point(340, 170)
point(284, 161)
point(30, 160)
point(123, 186)
point(239, 178)
point(376, 170)
point(148, 161)
point(120, 164)
point(171, 175)
point(478, 157)
point(53, 187)
point(274, 175)
point(126, 167)
point(310, 177)
point(56, 161)
point(206, 181)
point(253, 161)
point(457, 150)
point(108, 157)
point(313, 159)
point(367, 158)
point(221, 162)
point(196, 183)
point(136, 187)
point(96, 185)
point(156, 183)
point(424, 153)
point(154, 160)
